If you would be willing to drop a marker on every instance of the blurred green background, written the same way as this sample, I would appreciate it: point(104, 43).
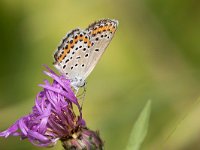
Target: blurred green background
point(155, 55)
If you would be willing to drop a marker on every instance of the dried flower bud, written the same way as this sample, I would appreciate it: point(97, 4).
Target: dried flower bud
point(83, 139)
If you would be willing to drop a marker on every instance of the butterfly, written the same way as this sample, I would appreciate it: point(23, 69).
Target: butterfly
point(80, 50)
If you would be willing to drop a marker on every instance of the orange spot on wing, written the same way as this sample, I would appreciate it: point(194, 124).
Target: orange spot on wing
point(104, 28)
point(61, 57)
point(65, 52)
point(85, 40)
point(101, 29)
point(89, 43)
point(112, 29)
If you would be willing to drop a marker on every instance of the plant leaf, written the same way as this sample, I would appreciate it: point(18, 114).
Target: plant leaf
point(140, 128)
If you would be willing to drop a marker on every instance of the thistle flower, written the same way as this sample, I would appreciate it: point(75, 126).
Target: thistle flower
point(53, 118)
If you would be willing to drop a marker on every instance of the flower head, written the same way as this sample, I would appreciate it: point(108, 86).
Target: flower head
point(53, 116)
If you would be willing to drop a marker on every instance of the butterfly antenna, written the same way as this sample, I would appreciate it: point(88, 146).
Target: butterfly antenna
point(76, 91)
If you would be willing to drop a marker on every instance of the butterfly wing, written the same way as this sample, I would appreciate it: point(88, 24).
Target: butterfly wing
point(101, 34)
point(80, 50)
point(70, 56)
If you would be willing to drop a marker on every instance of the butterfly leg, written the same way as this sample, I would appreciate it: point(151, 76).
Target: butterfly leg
point(76, 92)
point(83, 96)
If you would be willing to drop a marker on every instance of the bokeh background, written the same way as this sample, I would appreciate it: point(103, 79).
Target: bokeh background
point(155, 55)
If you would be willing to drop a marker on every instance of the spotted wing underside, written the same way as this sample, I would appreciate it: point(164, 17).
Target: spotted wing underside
point(80, 50)
point(101, 34)
point(71, 55)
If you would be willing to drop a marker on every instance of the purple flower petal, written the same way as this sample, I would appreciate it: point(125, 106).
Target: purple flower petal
point(10, 131)
point(52, 116)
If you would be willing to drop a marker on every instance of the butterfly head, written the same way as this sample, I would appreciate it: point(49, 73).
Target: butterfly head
point(77, 83)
